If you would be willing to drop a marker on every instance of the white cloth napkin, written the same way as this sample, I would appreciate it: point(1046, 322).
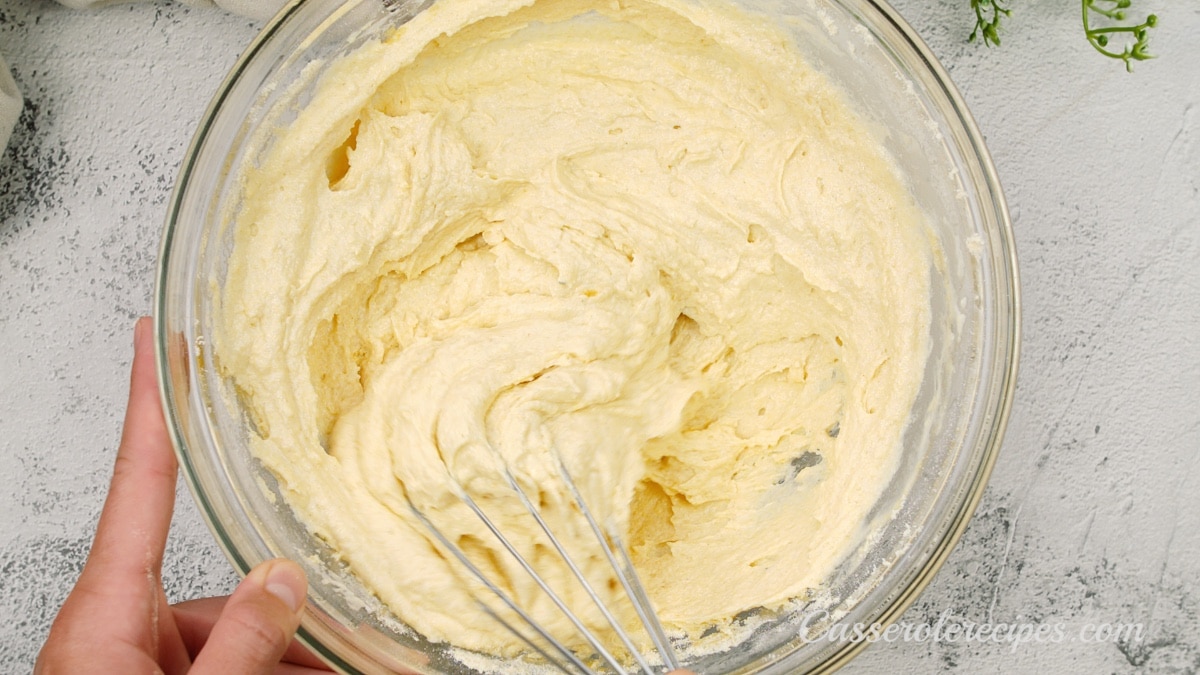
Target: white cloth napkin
point(10, 97)
point(10, 104)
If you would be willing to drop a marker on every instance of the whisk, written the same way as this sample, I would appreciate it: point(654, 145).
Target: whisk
point(550, 648)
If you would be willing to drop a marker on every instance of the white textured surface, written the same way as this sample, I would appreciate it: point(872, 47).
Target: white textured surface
point(1092, 514)
point(257, 9)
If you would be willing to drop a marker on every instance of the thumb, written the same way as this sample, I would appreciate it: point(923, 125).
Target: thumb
point(257, 623)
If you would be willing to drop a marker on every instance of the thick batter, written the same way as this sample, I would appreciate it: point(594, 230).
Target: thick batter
point(642, 234)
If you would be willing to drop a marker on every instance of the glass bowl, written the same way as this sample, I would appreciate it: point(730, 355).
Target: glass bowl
point(895, 84)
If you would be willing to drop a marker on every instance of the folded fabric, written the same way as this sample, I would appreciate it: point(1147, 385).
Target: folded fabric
point(10, 104)
point(10, 96)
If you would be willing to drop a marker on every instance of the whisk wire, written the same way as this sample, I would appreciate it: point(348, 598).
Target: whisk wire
point(587, 634)
point(591, 592)
point(491, 586)
point(625, 571)
point(530, 643)
point(610, 544)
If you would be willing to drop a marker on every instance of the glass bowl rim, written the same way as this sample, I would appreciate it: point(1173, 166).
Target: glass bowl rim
point(996, 405)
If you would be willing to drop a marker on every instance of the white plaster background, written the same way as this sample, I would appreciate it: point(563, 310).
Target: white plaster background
point(1092, 514)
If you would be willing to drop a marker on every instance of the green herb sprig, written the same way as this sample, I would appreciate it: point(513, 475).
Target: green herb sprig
point(989, 13)
point(1114, 10)
point(987, 20)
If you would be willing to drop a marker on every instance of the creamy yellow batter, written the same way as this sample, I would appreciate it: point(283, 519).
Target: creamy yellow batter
point(640, 233)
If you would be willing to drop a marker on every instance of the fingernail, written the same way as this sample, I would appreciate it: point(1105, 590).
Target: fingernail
point(285, 580)
point(141, 333)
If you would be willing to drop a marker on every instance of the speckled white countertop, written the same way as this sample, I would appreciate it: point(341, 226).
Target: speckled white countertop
point(1092, 516)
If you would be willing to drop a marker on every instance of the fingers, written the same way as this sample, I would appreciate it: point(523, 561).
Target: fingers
point(133, 527)
point(257, 623)
point(118, 595)
point(196, 618)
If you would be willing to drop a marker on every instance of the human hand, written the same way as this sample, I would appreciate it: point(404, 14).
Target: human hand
point(117, 619)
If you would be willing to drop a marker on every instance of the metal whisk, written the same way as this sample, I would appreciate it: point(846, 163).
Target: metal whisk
point(555, 651)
